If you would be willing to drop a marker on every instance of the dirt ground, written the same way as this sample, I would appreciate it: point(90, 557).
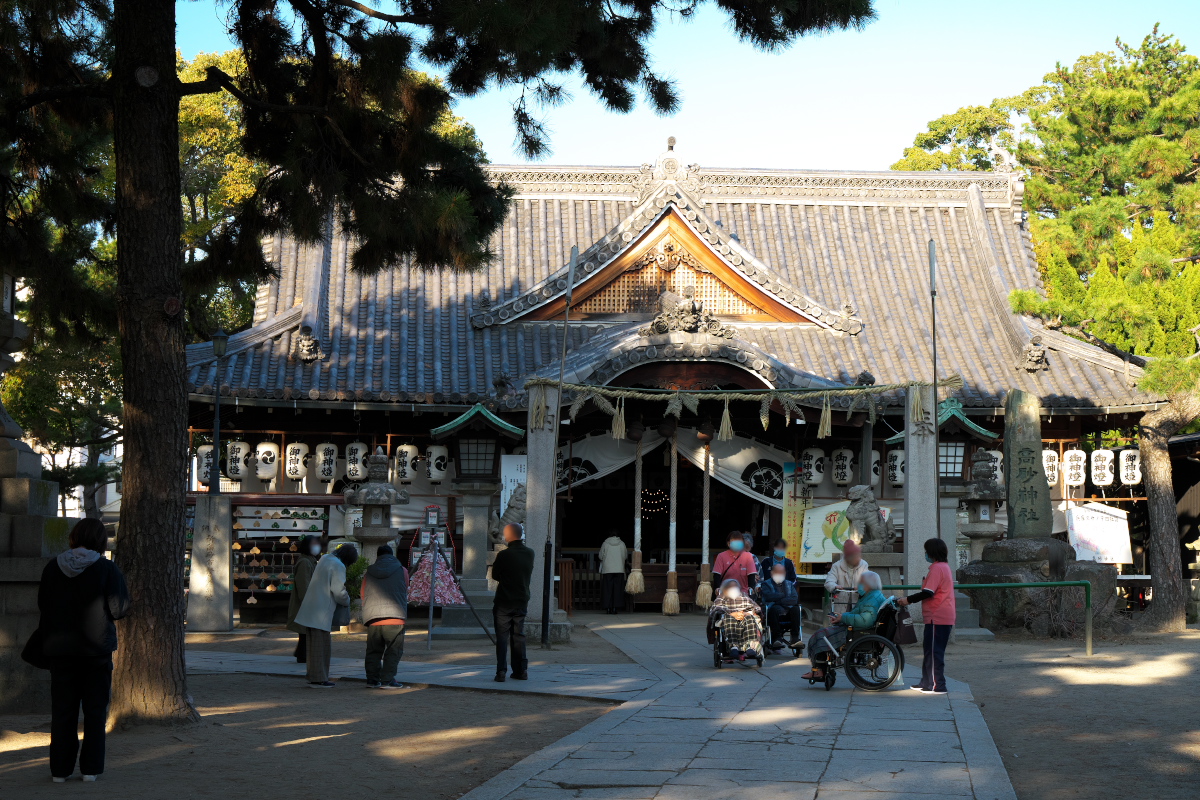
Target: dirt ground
point(585, 647)
point(267, 737)
point(1125, 722)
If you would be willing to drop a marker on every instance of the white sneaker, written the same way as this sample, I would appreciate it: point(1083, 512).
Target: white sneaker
point(90, 778)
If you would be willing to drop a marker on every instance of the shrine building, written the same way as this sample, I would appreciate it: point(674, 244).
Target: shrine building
point(687, 277)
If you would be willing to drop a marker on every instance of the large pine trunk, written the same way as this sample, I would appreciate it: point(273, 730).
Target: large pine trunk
point(149, 683)
point(1167, 610)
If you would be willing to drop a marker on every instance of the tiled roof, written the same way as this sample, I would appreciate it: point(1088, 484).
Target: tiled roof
point(846, 248)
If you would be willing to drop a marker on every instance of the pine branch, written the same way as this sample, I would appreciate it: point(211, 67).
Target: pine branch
point(99, 90)
point(1080, 331)
point(393, 19)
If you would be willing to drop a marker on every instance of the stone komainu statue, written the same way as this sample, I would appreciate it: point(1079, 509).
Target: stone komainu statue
point(878, 534)
point(514, 513)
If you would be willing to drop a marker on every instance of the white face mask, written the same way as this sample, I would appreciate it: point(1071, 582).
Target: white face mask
point(315, 549)
point(777, 578)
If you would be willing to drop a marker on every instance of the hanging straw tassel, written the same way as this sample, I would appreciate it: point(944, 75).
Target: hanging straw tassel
point(636, 583)
point(825, 428)
point(538, 408)
point(671, 598)
point(618, 423)
point(916, 408)
point(704, 588)
point(725, 434)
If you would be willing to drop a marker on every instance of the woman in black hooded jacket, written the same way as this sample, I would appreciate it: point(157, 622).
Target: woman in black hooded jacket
point(80, 595)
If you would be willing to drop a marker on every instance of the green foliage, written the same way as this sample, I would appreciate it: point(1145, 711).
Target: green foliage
point(354, 577)
point(960, 141)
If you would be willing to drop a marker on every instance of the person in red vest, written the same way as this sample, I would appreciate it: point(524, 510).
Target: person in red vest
point(736, 563)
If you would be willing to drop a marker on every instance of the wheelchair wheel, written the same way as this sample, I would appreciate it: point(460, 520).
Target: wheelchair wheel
point(830, 678)
point(760, 660)
point(873, 663)
point(718, 662)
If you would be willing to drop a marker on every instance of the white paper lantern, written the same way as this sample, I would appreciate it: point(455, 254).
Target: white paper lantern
point(1074, 465)
point(895, 467)
point(236, 454)
point(295, 461)
point(406, 462)
point(357, 454)
point(1103, 467)
point(1130, 466)
point(875, 469)
point(327, 456)
point(998, 460)
point(204, 457)
point(841, 465)
point(1050, 466)
point(812, 465)
point(437, 461)
point(267, 467)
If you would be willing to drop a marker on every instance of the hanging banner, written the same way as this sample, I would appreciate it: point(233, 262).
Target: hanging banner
point(1099, 533)
point(794, 506)
point(752, 468)
point(596, 456)
point(826, 530)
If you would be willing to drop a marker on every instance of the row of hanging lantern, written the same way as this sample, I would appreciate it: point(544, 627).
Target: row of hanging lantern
point(1106, 467)
point(262, 461)
point(841, 466)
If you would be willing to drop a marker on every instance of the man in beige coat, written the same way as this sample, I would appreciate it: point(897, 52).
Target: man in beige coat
point(612, 573)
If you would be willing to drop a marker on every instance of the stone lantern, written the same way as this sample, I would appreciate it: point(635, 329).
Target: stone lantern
point(475, 440)
point(983, 493)
point(376, 496)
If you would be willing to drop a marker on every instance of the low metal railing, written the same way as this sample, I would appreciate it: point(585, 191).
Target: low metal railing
point(1087, 597)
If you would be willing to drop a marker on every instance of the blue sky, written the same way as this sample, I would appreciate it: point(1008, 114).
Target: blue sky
point(843, 101)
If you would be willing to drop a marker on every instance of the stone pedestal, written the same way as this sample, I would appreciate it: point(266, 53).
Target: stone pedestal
point(889, 566)
point(476, 505)
point(210, 586)
point(981, 534)
point(1024, 560)
point(369, 537)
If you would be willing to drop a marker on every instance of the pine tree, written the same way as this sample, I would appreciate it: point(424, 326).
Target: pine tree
point(345, 127)
point(1111, 151)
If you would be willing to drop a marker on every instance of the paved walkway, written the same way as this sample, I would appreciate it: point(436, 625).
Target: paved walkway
point(687, 731)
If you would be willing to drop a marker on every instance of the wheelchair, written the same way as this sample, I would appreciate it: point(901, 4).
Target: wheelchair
point(871, 659)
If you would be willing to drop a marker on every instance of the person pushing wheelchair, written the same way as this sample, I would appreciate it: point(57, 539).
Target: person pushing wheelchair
point(862, 617)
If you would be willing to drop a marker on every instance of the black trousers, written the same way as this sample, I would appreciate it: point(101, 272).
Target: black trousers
point(779, 617)
point(510, 632)
point(301, 651)
point(78, 683)
point(612, 591)
point(933, 667)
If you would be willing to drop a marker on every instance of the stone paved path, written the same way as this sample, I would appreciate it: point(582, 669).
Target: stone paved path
point(687, 731)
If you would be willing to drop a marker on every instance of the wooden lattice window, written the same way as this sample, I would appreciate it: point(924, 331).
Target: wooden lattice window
point(638, 292)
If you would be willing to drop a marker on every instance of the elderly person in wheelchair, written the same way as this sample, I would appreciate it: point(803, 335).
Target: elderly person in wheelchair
point(861, 617)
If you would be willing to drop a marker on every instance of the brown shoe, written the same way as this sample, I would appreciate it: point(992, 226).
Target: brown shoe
point(521, 676)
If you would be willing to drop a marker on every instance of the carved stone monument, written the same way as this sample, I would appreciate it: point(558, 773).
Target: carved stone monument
point(1029, 513)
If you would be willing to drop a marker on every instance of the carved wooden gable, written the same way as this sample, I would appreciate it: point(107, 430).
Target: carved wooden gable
point(670, 258)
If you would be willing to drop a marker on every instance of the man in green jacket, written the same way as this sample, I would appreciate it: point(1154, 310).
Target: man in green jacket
point(512, 570)
point(310, 549)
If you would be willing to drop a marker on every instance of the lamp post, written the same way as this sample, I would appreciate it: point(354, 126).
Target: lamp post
point(220, 341)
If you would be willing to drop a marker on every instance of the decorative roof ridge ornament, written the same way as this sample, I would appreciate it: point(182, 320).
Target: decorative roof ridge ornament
point(308, 347)
point(626, 234)
point(685, 314)
point(1033, 356)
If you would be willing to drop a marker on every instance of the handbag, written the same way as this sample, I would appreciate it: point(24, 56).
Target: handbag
point(905, 632)
point(341, 616)
point(34, 652)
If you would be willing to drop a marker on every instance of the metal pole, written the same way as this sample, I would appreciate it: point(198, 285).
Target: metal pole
point(937, 456)
point(547, 579)
point(214, 473)
point(548, 550)
point(437, 552)
point(1087, 617)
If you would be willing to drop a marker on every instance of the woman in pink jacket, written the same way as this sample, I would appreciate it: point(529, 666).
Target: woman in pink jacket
point(937, 605)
